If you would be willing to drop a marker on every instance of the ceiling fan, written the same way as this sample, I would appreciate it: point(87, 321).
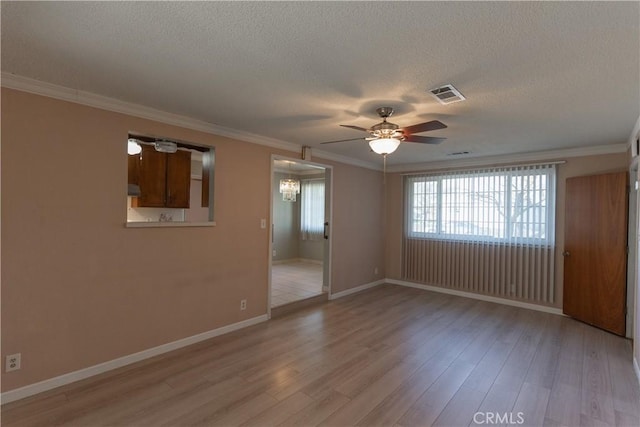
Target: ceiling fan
point(386, 136)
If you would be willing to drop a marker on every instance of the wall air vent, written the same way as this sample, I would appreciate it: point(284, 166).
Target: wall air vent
point(447, 94)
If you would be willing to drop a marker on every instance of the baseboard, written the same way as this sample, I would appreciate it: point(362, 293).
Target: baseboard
point(356, 289)
point(481, 297)
point(636, 368)
point(31, 389)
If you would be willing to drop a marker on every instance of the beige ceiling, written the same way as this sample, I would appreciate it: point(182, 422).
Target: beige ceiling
point(537, 76)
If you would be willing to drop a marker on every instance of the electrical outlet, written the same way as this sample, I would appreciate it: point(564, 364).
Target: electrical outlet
point(375, 270)
point(263, 223)
point(243, 304)
point(13, 362)
point(274, 252)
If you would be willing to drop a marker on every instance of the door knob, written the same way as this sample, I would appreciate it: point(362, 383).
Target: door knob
point(566, 253)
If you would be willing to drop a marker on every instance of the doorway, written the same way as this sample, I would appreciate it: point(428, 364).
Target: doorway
point(300, 219)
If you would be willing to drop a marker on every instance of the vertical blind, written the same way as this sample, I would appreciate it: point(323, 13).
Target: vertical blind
point(312, 209)
point(489, 231)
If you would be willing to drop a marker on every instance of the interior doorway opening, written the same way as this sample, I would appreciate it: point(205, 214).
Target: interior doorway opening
point(299, 250)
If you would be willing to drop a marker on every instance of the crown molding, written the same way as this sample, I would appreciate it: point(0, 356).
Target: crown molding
point(26, 84)
point(535, 156)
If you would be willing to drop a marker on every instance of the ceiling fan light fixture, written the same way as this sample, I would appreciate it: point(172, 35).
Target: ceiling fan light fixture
point(384, 145)
point(385, 137)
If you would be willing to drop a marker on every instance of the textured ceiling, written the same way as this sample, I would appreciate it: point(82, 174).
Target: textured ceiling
point(537, 76)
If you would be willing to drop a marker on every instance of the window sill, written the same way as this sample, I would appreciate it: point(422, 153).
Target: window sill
point(170, 224)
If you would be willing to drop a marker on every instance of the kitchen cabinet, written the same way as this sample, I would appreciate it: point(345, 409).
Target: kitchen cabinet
point(178, 179)
point(164, 178)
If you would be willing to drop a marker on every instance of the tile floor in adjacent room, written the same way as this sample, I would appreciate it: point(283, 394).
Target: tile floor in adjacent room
point(294, 281)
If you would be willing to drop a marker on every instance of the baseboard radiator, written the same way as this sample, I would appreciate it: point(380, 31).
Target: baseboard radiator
point(524, 272)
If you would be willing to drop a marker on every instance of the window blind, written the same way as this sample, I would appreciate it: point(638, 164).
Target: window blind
point(487, 230)
point(312, 209)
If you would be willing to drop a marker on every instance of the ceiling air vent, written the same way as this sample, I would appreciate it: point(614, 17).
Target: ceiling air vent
point(447, 94)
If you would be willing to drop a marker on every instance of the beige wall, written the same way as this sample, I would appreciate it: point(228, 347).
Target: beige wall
point(78, 288)
point(574, 166)
point(358, 227)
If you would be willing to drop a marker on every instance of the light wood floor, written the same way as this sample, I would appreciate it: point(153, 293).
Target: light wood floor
point(388, 356)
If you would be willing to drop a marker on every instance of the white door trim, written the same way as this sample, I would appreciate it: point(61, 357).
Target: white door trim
point(327, 262)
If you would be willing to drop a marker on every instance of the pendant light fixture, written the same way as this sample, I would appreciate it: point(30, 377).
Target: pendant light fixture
point(289, 187)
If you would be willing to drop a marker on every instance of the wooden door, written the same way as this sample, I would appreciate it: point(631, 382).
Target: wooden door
point(595, 252)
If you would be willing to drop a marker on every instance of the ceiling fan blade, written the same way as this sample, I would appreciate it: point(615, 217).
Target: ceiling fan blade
point(424, 127)
point(355, 127)
point(424, 139)
point(342, 140)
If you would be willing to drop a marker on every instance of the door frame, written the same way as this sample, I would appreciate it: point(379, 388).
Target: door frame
point(632, 250)
point(326, 268)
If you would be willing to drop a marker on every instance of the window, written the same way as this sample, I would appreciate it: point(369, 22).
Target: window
point(514, 204)
point(169, 182)
point(312, 209)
